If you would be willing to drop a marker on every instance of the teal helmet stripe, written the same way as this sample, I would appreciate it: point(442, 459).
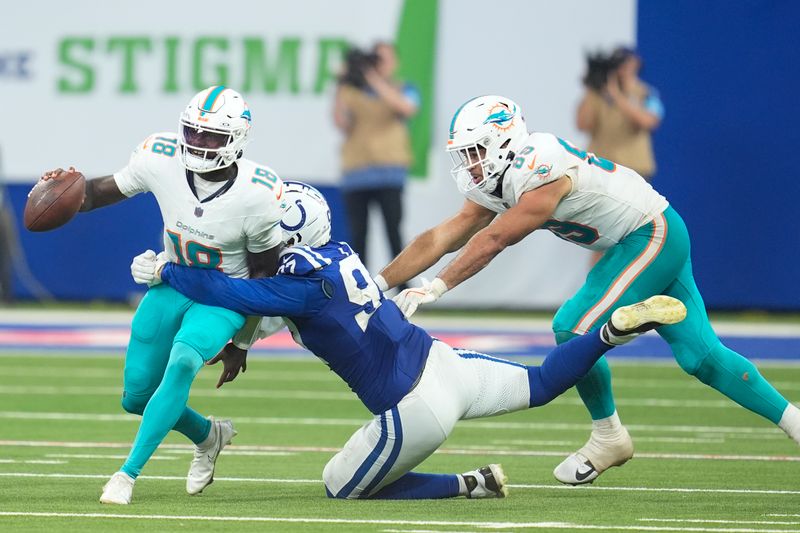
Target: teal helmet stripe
point(213, 94)
point(453, 122)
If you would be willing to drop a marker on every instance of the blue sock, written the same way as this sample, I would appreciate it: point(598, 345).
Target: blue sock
point(413, 486)
point(165, 407)
point(563, 367)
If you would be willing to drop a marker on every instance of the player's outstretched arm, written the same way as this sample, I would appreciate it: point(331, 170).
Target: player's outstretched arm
point(430, 246)
point(535, 207)
point(101, 192)
point(276, 296)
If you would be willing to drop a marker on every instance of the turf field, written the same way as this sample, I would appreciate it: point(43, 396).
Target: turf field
point(702, 464)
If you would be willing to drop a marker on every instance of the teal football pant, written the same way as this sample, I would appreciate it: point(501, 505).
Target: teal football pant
point(655, 259)
point(171, 338)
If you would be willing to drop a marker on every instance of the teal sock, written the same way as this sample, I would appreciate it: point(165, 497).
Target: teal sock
point(595, 388)
point(165, 407)
point(739, 379)
point(194, 425)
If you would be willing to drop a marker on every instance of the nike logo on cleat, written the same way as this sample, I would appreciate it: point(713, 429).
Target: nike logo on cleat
point(580, 476)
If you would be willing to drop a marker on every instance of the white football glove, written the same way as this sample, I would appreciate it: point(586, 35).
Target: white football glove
point(146, 268)
point(410, 299)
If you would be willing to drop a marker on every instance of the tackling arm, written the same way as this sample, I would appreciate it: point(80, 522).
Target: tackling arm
point(535, 207)
point(260, 265)
point(275, 296)
point(430, 246)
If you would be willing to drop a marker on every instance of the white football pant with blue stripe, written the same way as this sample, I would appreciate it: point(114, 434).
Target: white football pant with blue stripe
point(455, 385)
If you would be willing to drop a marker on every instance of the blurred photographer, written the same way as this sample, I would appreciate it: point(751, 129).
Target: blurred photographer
point(619, 111)
point(371, 109)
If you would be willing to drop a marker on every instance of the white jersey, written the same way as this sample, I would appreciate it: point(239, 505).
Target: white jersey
point(216, 233)
point(607, 201)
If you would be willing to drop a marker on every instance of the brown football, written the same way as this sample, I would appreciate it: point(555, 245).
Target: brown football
point(52, 203)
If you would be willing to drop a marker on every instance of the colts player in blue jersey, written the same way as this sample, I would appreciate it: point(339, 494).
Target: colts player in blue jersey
point(416, 386)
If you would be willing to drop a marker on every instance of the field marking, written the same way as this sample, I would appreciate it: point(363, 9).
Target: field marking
point(784, 515)
point(443, 451)
point(775, 492)
point(655, 489)
point(357, 422)
point(85, 372)
point(32, 462)
point(354, 521)
point(49, 390)
point(97, 456)
point(52, 390)
point(717, 521)
point(159, 478)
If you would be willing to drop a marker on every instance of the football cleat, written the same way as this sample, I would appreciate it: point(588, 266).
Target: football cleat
point(630, 321)
point(118, 490)
point(598, 455)
point(201, 471)
point(487, 482)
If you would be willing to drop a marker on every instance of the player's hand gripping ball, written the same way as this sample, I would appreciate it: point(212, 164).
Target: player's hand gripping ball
point(54, 199)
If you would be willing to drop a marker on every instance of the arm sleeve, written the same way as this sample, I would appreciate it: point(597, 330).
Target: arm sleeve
point(276, 296)
point(132, 179)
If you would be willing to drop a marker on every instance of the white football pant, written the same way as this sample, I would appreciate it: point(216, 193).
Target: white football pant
point(455, 385)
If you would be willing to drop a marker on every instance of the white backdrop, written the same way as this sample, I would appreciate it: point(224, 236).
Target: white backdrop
point(532, 51)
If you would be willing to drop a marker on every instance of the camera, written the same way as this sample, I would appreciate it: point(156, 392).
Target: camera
point(356, 61)
point(600, 65)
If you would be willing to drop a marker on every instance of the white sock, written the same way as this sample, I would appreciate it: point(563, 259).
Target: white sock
point(607, 427)
point(462, 485)
point(790, 422)
point(608, 337)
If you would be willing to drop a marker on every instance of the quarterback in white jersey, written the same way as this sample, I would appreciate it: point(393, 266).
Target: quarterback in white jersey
point(222, 212)
point(517, 182)
point(200, 230)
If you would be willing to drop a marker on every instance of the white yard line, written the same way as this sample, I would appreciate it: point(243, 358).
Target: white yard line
point(442, 451)
point(353, 521)
point(39, 390)
point(52, 390)
point(100, 456)
point(688, 490)
point(32, 462)
point(716, 521)
point(160, 478)
point(767, 432)
point(656, 489)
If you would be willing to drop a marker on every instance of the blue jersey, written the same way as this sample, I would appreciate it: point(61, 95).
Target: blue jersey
point(334, 309)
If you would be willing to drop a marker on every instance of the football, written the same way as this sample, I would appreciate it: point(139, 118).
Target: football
point(52, 203)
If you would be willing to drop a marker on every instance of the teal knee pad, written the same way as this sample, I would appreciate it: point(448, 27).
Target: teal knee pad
point(135, 403)
point(184, 363)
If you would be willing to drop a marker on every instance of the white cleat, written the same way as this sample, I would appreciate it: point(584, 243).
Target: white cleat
point(118, 490)
point(632, 320)
point(597, 455)
point(487, 482)
point(201, 471)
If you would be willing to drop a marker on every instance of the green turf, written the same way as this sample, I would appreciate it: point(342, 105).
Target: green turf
point(289, 413)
